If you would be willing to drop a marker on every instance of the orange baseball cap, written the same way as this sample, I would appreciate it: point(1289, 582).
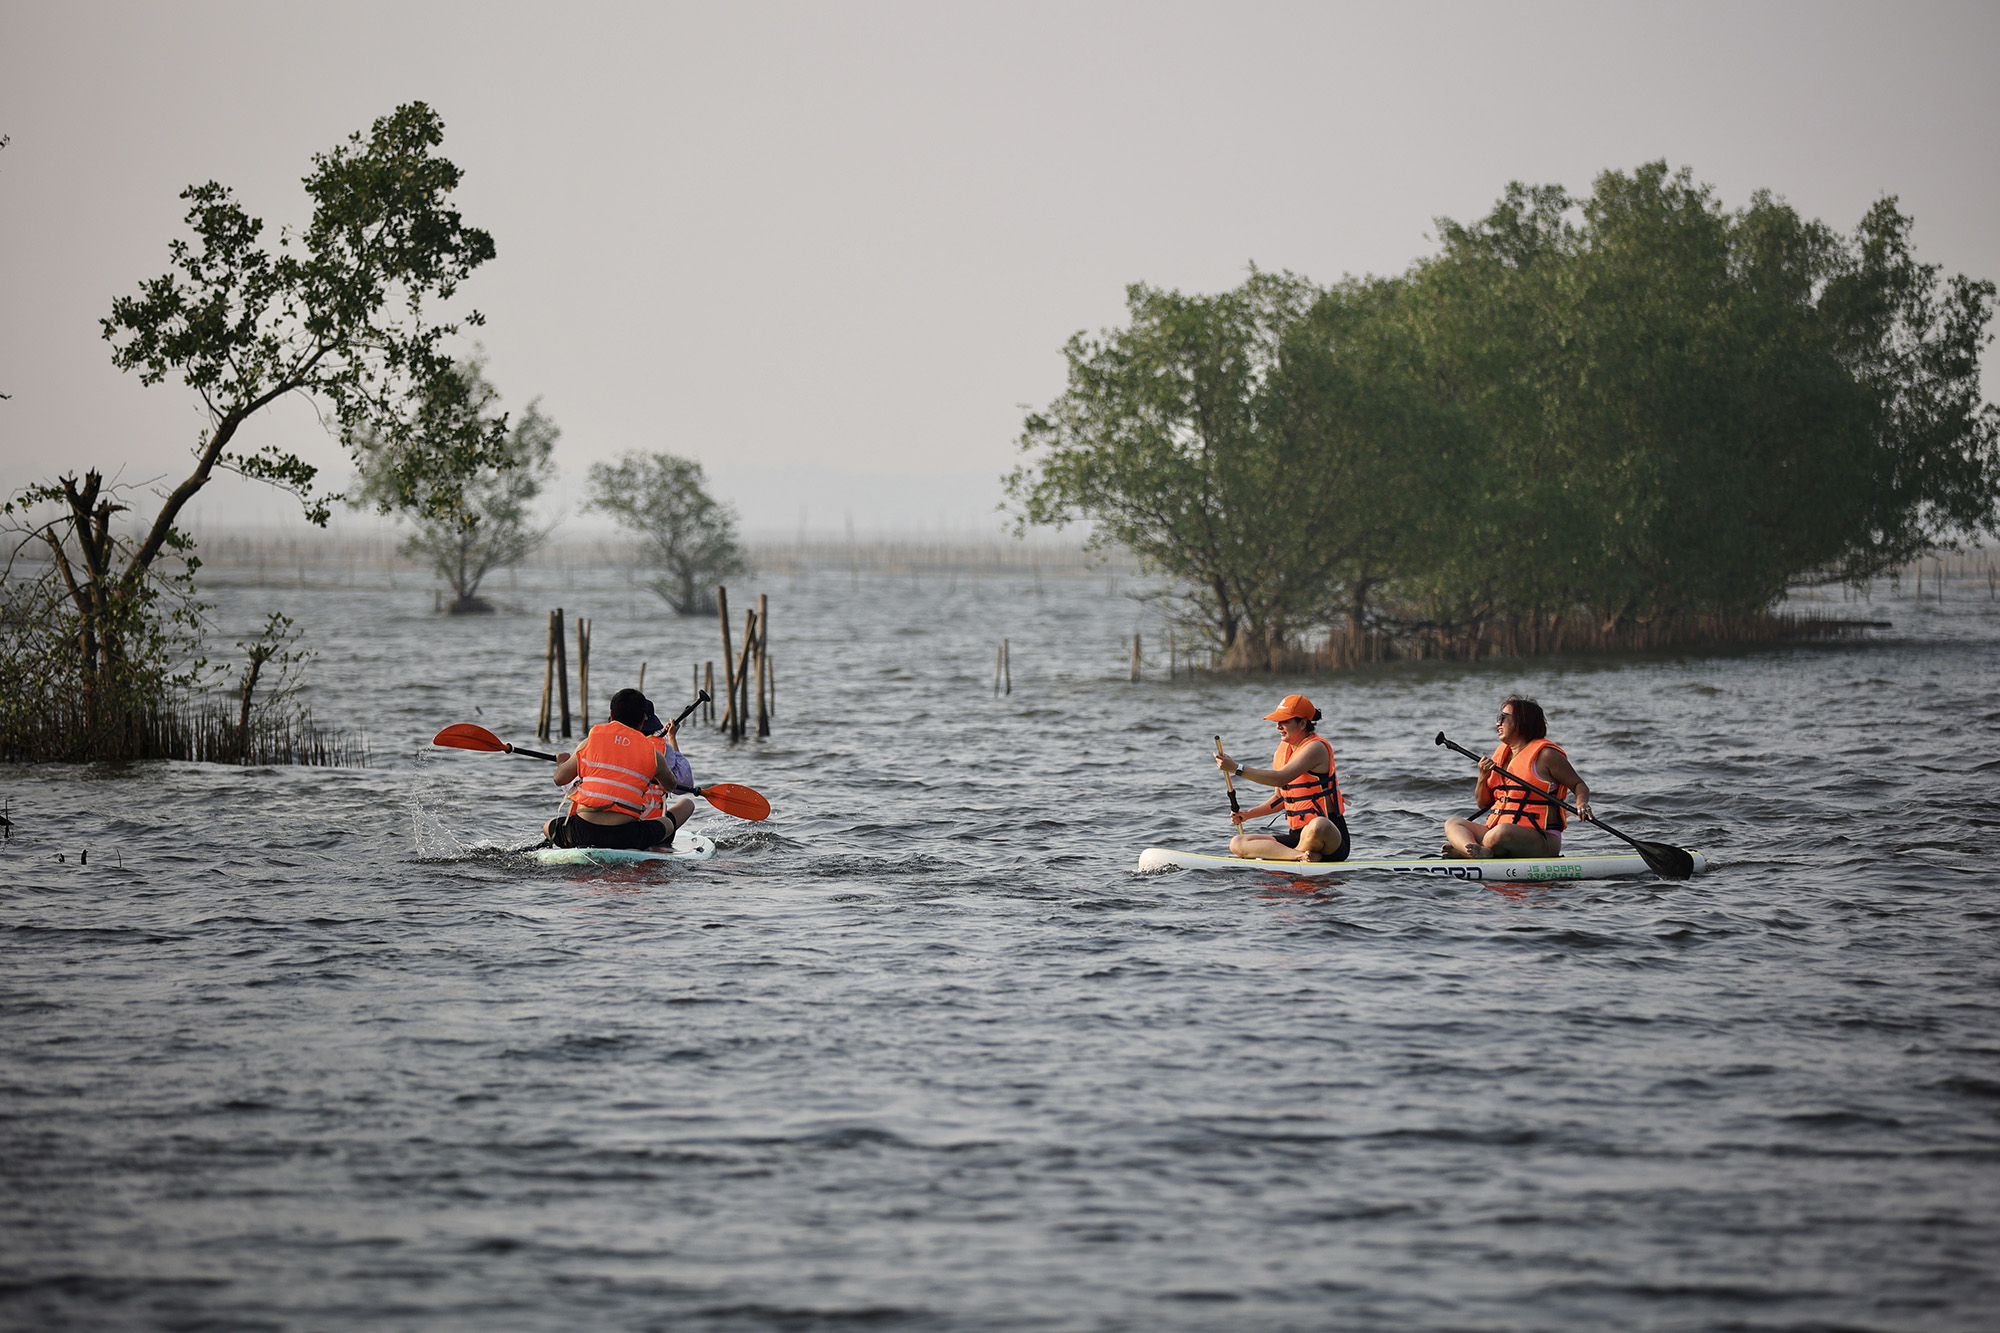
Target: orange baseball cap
point(1295, 705)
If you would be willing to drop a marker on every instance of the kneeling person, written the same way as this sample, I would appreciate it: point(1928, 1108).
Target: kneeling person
point(1308, 792)
point(622, 778)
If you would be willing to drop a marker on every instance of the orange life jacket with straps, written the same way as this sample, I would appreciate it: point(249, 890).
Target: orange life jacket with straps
point(1510, 804)
point(656, 795)
point(614, 767)
point(1308, 795)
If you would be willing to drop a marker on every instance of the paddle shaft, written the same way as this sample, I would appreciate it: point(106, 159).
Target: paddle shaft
point(1228, 783)
point(1546, 798)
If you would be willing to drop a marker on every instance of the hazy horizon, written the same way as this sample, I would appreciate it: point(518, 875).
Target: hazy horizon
point(832, 253)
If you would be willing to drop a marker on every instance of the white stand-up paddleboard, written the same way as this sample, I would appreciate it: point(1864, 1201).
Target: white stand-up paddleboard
point(686, 847)
point(1489, 870)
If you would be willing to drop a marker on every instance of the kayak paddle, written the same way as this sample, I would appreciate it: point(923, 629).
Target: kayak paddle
point(729, 797)
point(1230, 784)
point(1665, 859)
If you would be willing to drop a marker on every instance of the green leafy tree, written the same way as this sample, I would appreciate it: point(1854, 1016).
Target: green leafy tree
point(1246, 446)
point(686, 537)
point(495, 527)
point(338, 313)
point(1685, 410)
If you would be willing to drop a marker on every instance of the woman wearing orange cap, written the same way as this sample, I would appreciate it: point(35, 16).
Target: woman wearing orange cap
point(1303, 772)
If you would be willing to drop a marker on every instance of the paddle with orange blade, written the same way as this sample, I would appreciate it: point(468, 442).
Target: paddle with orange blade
point(729, 797)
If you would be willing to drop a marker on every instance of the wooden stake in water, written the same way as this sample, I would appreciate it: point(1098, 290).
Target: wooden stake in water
point(728, 681)
point(1170, 652)
point(562, 672)
point(1007, 662)
point(583, 672)
point(1135, 658)
point(763, 647)
point(708, 683)
point(742, 704)
point(548, 680)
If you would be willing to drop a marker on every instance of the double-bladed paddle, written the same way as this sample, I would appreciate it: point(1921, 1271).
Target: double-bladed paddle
point(1664, 859)
point(729, 797)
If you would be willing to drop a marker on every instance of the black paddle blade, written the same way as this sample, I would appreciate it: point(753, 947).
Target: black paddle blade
point(1671, 862)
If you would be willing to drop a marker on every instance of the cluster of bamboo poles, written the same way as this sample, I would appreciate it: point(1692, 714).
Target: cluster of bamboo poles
point(738, 666)
point(555, 677)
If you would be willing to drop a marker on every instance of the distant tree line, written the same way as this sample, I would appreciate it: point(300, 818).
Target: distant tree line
point(1579, 420)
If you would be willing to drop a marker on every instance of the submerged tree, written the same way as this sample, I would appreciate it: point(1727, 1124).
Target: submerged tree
point(1686, 410)
point(494, 528)
point(338, 313)
point(686, 536)
point(1617, 411)
point(1260, 446)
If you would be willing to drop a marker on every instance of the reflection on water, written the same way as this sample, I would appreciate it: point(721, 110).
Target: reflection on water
point(308, 1048)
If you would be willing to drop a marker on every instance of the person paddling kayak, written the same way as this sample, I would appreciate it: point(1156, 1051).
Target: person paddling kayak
point(622, 776)
point(1517, 823)
point(1308, 792)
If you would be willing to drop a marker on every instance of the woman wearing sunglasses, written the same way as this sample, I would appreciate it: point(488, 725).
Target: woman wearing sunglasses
point(1525, 767)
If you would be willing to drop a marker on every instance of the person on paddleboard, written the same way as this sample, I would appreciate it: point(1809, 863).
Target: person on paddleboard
point(1308, 793)
point(620, 778)
point(1516, 823)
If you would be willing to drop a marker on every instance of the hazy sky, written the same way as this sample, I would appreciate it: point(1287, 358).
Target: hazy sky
point(830, 250)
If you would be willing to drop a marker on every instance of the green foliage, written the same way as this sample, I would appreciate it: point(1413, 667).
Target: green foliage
point(339, 314)
point(276, 648)
point(1230, 442)
point(1631, 407)
point(96, 651)
point(685, 535)
point(494, 527)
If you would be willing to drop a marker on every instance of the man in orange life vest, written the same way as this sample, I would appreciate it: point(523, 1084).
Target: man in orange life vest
point(1517, 823)
point(622, 777)
point(1303, 772)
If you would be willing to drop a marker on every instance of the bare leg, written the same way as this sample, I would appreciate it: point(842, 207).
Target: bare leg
point(1464, 837)
point(1318, 841)
point(1517, 840)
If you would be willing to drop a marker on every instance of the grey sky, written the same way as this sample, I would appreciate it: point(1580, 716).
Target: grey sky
point(830, 249)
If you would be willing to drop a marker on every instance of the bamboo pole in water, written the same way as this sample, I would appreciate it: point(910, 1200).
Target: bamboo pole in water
point(562, 672)
point(728, 681)
point(548, 681)
point(583, 672)
point(763, 648)
point(741, 704)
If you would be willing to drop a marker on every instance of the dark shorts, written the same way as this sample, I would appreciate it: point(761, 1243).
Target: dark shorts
point(1290, 837)
point(572, 831)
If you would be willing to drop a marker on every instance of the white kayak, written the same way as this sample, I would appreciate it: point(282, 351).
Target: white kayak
point(1489, 870)
point(686, 847)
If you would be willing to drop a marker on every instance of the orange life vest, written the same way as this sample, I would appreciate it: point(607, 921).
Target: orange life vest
point(614, 766)
point(1510, 804)
point(656, 795)
point(1309, 795)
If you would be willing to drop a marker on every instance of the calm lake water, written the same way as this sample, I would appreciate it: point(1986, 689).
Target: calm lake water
point(308, 1049)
